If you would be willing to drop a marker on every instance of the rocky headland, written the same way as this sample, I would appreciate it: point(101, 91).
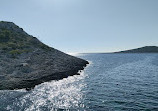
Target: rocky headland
point(25, 61)
point(146, 49)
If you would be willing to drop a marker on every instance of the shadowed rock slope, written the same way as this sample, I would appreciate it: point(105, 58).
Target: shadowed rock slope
point(26, 62)
point(146, 49)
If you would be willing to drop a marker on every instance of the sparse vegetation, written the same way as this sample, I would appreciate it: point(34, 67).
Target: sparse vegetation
point(16, 43)
point(4, 36)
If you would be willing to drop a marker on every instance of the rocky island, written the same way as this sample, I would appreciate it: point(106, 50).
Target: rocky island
point(25, 61)
point(146, 49)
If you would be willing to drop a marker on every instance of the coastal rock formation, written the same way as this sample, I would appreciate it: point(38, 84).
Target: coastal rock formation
point(26, 62)
point(146, 49)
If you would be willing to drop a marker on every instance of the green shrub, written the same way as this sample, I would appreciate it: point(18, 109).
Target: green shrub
point(12, 45)
point(27, 50)
point(5, 48)
point(15, 52)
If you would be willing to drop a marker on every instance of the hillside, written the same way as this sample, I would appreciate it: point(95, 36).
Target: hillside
point(26, 62)
point(146, 49)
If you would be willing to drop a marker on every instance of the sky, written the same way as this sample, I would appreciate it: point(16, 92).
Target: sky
point(80, 26)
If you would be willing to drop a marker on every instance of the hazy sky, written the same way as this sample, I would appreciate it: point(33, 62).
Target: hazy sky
point(86, 25)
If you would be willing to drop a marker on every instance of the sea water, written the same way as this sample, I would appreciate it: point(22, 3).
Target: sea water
point(111, 82)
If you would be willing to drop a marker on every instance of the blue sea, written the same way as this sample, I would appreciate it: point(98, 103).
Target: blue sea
point(111, 82)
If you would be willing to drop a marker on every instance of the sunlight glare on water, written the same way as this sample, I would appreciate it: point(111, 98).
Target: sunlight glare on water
point(62, 94)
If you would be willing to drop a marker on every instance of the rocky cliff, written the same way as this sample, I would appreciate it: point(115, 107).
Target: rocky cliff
point(26, 62)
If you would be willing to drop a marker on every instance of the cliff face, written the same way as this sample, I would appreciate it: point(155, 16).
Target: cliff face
point(146, 49)
point(26, 62)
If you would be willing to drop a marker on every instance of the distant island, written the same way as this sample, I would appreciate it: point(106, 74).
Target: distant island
point(146, 49)
point(26, 62)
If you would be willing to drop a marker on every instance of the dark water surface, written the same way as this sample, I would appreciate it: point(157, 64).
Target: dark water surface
point(112, 82)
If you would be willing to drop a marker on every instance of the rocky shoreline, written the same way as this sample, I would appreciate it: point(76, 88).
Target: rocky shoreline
point(26, 62)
